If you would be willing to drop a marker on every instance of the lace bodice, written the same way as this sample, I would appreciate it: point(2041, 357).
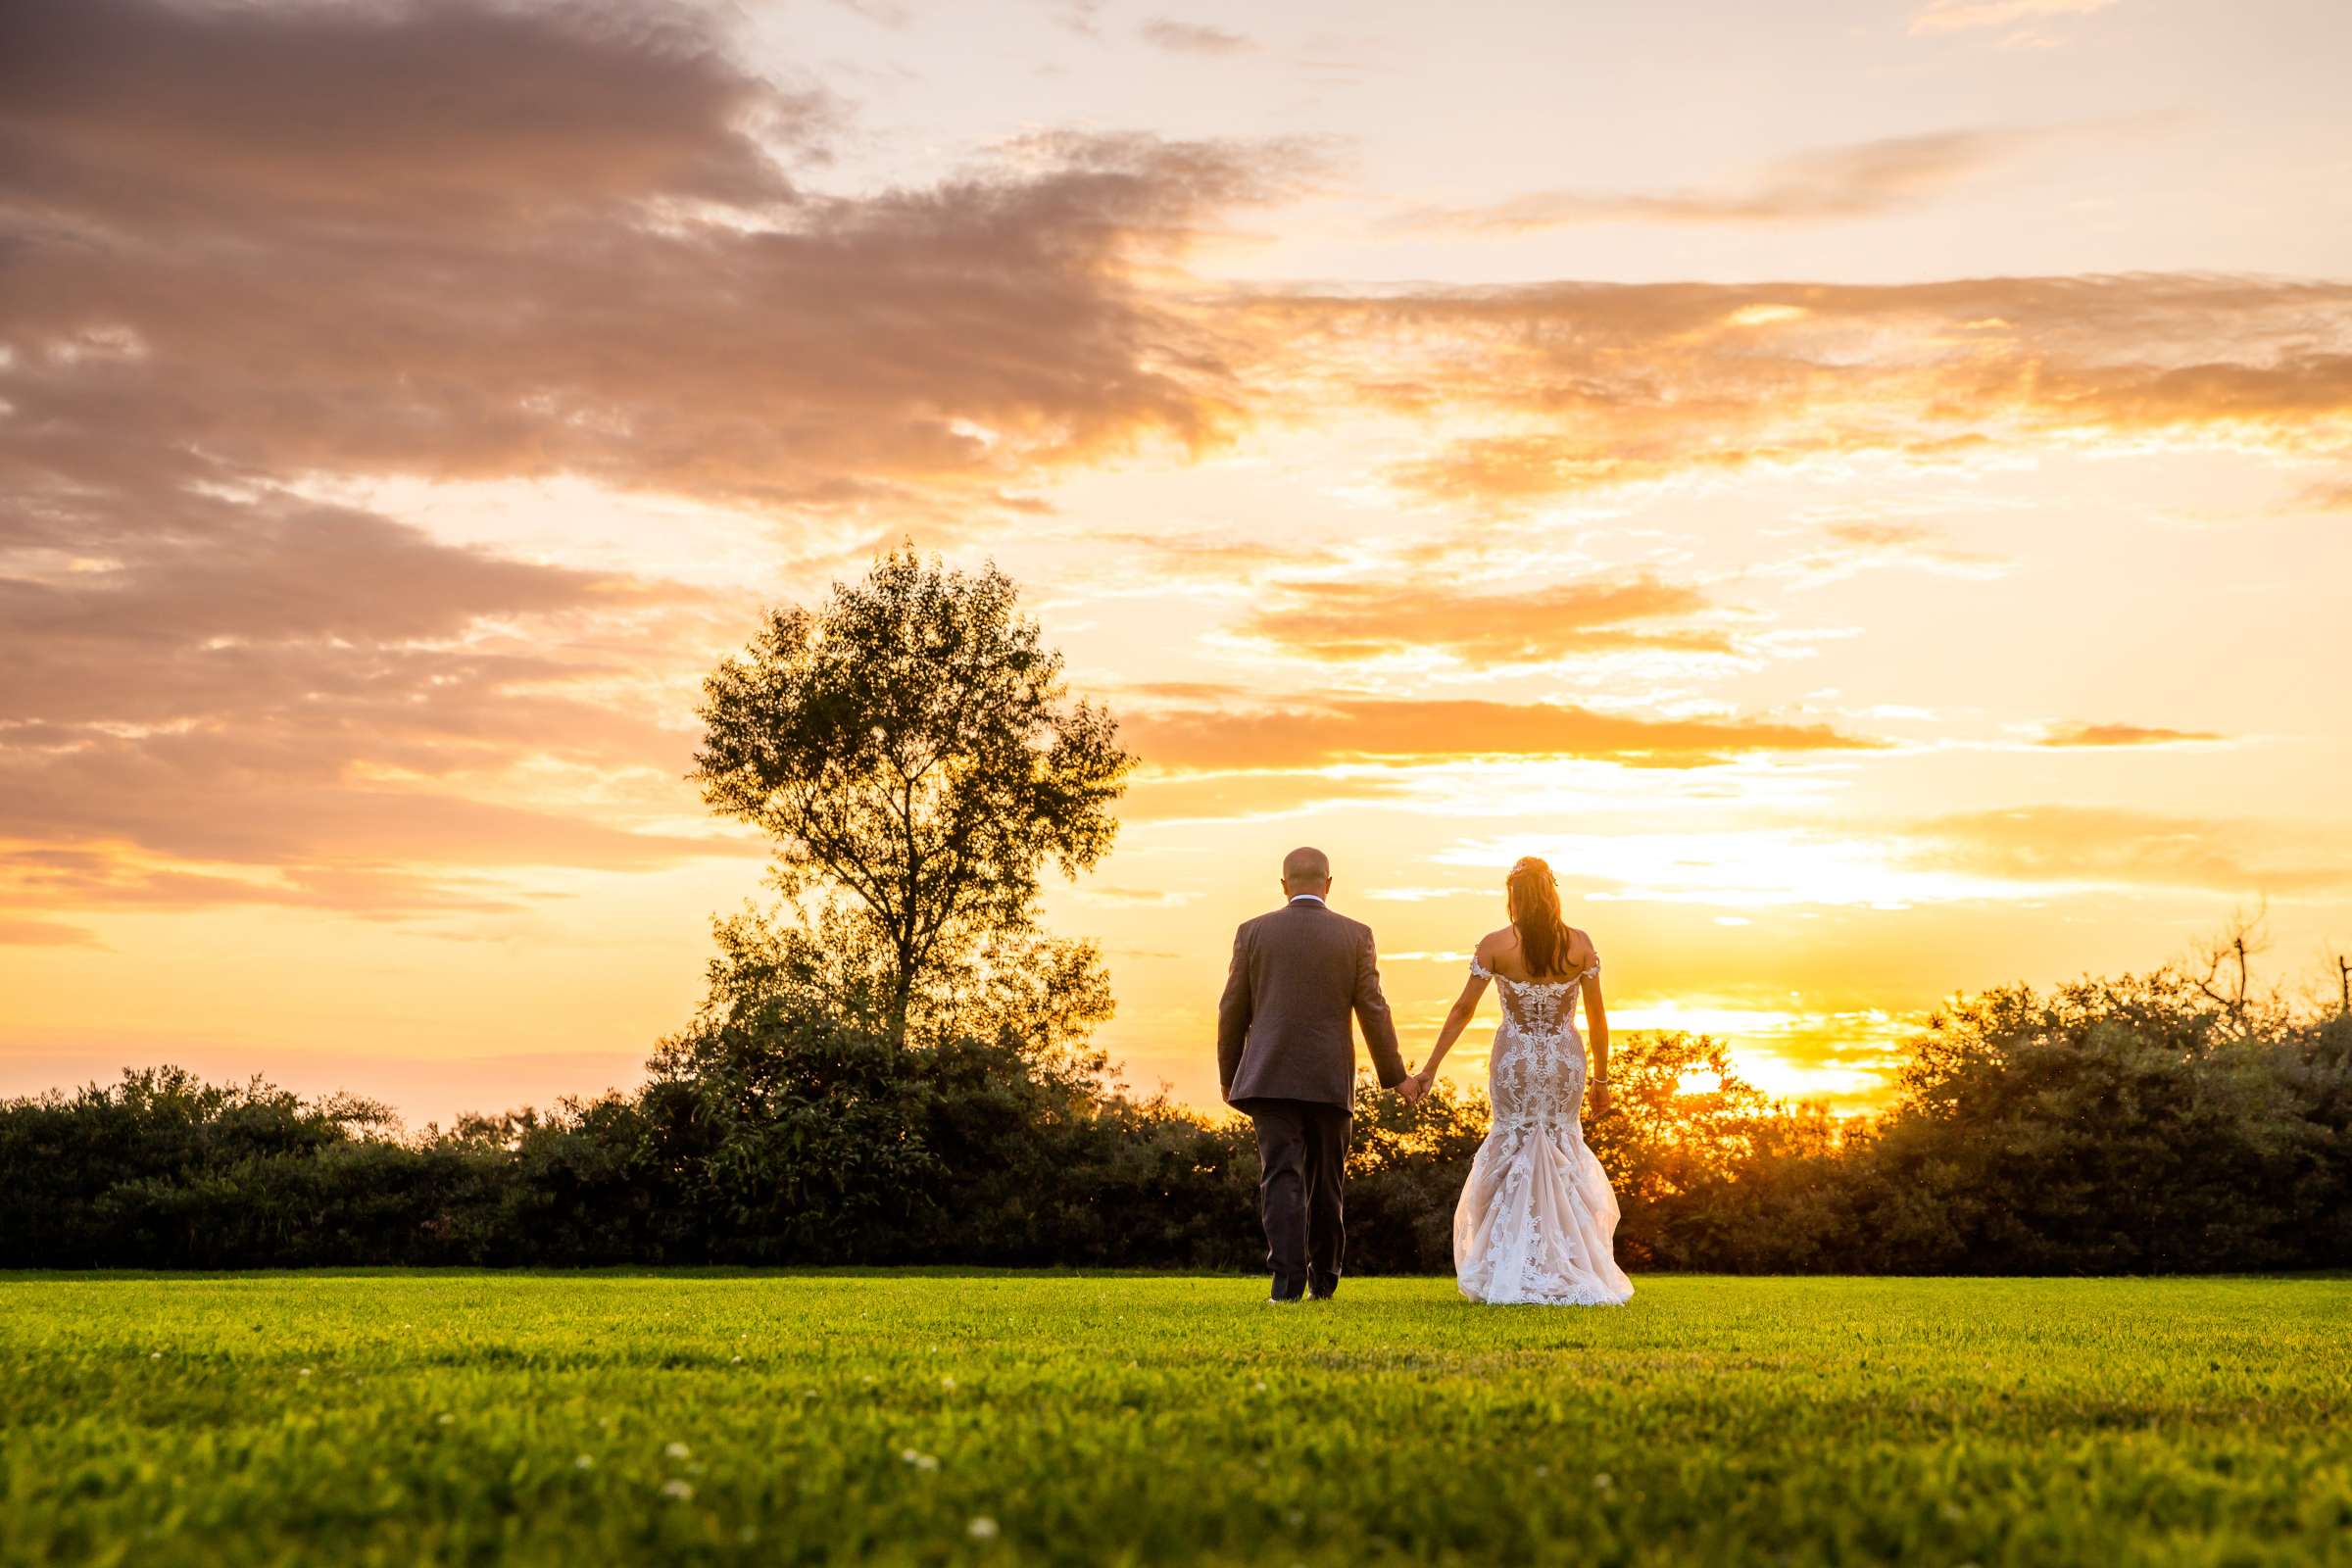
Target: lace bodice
point(1535, 1073)
point(1540, 1006)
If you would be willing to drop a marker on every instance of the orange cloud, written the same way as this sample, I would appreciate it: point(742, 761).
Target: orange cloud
point(45, 934)
point(117, 877)
point(1854, 179)
point(308, 688)
point(2065, 844)
point(1568, 387)
point(2330, 497)
point(1343, 621)
point(2080, 734)
point(1203, 557)
point(1192, 39)
point(1310, 732)
point(1958, 16)
point(1159, 794)
point(1859, 545)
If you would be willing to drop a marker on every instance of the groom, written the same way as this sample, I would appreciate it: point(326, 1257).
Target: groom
point(1286, 1056)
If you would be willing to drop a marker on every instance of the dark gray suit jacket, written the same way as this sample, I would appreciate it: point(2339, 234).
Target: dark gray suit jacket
point(1282, 1026)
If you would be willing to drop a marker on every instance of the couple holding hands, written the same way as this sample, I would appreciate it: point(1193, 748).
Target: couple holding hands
point(1537, 1219)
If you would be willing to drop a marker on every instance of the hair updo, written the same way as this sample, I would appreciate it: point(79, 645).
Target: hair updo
point(1535, 905)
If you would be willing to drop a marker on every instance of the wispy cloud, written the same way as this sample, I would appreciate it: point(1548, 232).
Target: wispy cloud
point(1081, 16)
point(1483, 625)
point(1851, 179)
point(2330, 496)
point(1858, 545)
point(1308, 732)
point(1537, 391)
point(2075, 733)
point(2074, 846)
point(1193, 38)
point(1960, 16)
point(45, 934)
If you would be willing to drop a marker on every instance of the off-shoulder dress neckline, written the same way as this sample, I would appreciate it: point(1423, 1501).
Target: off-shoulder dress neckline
point(1592, 968)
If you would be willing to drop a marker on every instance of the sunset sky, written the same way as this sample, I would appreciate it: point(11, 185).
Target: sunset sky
point(1864, 488)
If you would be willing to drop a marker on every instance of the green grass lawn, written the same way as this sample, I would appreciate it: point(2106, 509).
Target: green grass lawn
point(901, 1417)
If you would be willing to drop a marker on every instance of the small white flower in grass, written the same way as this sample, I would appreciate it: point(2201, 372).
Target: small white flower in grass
point(737, 1361)
point(155, 1355)
point(445, 1418)
point(982, 1528)
point(948, 1384)
point(584, 1462)
point(1603, 1481)
point(1259, 1386)
point(1542, 1471)
point(676, 1450)
point(680, 1489)
point(304, 1373)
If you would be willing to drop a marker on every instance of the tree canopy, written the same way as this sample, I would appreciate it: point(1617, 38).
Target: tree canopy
point(913, 750)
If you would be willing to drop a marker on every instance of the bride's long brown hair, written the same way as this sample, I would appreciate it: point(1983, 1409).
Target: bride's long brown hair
point(1535, 905)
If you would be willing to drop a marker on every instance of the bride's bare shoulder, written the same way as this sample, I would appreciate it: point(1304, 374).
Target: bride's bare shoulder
point(1495, 942)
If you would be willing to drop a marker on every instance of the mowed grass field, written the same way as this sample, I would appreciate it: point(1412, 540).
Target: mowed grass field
point(913, 1418)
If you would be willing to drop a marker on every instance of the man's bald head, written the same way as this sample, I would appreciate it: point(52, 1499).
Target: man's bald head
point(1305, 871)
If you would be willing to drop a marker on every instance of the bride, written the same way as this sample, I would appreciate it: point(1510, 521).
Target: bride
point(1537, 1218)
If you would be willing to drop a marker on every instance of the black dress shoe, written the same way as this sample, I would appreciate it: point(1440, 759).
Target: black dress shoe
point(1287, 1289)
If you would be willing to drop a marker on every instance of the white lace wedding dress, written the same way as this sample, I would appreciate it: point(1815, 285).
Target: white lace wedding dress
point(1537, 1220)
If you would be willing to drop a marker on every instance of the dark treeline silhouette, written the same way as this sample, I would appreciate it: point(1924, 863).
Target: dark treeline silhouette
point(2133, 1125)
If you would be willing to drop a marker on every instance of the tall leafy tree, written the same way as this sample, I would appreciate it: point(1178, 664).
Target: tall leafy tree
point(913, 750)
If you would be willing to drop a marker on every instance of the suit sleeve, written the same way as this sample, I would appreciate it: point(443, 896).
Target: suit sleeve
point(1233, 1012)
point(1372, 1012)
